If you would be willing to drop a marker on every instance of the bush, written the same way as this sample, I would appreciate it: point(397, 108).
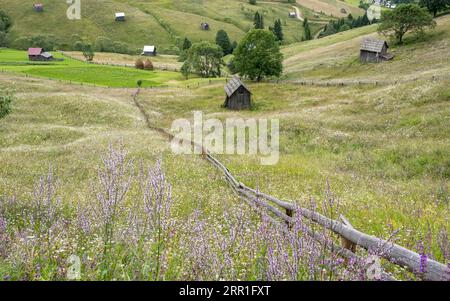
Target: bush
point(139, 64)
point(6, 98)
point(148, 65)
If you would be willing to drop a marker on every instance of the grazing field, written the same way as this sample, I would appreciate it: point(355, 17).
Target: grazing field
point(378, 154)
point(81, 72)
point(332, 7)
point(160, 23)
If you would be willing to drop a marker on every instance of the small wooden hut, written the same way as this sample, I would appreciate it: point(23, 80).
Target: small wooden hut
point(38, 7)
point(149, 51)
point(39, 54)
point(204, 26)
point(120, 16)
point(292, 14)
point(238, 96)
point(374, 51)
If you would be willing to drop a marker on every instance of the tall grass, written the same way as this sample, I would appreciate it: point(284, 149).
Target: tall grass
point(128, 230)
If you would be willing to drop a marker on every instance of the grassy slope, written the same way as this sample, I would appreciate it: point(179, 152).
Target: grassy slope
point(337, 56)
point(384, 149)
point(145, 20)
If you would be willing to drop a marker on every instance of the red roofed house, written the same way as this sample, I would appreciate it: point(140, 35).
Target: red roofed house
point(38, 54)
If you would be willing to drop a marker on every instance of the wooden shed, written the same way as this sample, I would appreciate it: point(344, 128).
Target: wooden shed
point(292, 14)
point(149, 51)
point(374, 51)
point(204, 26)
point(38, 7)
point(39, 54)
point(238, 96)
point(120, 16)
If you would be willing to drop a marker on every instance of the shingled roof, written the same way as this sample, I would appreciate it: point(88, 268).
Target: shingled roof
point(35, 51)
point(233, 85)
point(373, 45)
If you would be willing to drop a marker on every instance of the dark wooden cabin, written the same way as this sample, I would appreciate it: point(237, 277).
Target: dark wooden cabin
point(204, 26)
point(120, 16)
point(149, 51)
point(38, 7)
point(374, 51)
point(238, 96)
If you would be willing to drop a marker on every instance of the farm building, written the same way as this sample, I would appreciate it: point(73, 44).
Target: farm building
point(120, 16)
point(374, 50)
point(149, 51)
point(204, 26)
point(293, 14)
point(238, 96)
point(38, 7)
point(39, 54)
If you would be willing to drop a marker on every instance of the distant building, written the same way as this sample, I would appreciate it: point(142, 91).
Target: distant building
point(149, 51)
point(38, 7)
point(120, 16)
point(293, 14)
point(374, 51)
point(204, 26)
point(39, 54)
point(238, 96)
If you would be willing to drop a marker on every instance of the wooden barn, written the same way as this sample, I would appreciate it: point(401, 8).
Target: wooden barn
point(204, 26)
point(120, 16)
point(149, 51)
point(293, 14)
point(238, 96)
point(39, 54)
point(38, 7)
point(374, 51)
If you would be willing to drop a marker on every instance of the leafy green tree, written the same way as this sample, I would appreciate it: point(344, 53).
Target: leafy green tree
point(252, 2)
point(306, 30)
point(258, 55)
point(88, 52)
point(3, 39)
point(186, 69)
point(205, 59)
point(278, 30)
point(186, 44)
point(434, 6)
point(5, 21)
point(223, 41)
point(403, 19)
point(258, 21)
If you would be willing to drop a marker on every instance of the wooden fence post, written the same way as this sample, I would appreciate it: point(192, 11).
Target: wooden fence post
point(290, 213)
point(347, 244)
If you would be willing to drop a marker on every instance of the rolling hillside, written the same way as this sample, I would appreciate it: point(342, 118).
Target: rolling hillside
point(162, 23)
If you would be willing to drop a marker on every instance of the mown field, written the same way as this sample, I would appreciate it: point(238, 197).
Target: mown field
point(383, 150)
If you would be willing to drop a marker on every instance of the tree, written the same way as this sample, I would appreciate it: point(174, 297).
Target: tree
point(186, 44)
point(258, 21)
point(205, 59)
point(5, 21)
point(306, 30)
point(223, 41)
point(252, 2)
point(434, 6)
point(278, 31)
point(186, 69)
point(404, 18)
point(88, 52)
point(258, 55)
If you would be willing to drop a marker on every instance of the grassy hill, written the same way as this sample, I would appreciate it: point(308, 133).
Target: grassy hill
point(162, 23)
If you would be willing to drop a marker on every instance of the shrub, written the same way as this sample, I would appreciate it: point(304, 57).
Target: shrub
point(148, 65)
point(6, 98)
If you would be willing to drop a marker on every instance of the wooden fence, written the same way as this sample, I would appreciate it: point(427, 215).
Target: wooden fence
point(350, 237)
